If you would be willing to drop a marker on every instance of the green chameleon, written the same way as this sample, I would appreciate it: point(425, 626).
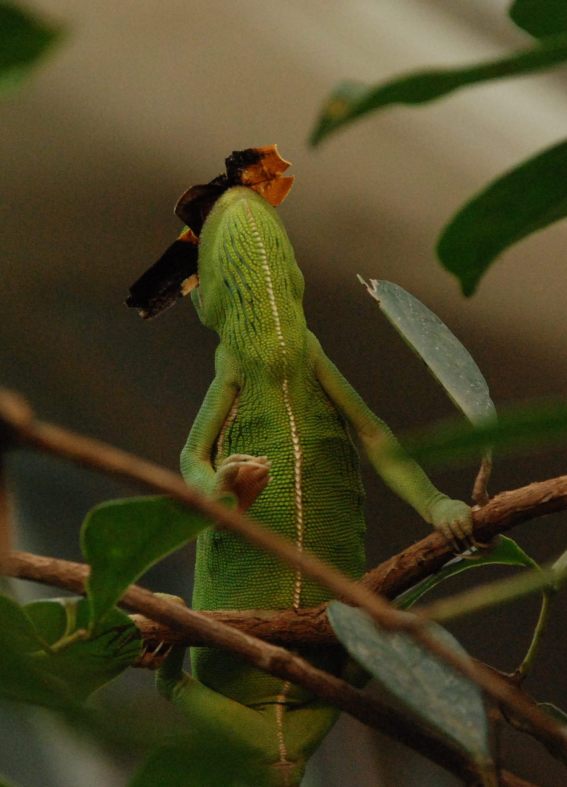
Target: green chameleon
point(274, 431)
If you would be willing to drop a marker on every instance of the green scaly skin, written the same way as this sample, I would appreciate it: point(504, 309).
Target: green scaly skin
point(275, 395)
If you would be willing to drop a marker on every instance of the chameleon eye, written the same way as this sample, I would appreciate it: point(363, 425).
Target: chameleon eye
point(171, 277)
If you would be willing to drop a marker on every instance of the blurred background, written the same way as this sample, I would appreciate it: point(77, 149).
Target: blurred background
point(143, 99)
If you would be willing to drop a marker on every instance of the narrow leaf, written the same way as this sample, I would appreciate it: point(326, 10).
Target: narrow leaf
point(123, 538)
point(560, 569)
point(351, 100)
point(506, 553)
point(87, 664)
point(417, 682)
point(540, 18)
point(517, 429)
point(446, 358)
point(555, 712)
point(526, 199)
point(24, 40)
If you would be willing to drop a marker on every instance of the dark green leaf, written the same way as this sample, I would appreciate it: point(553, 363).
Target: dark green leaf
point(20, 678)
point(517, 429)
point(352, 100)
point(87, 664)
point(415, 681)
point(449, 362)
point(13, 619)
point(24, 39)
point(506, 553)
point(123, 538)
point(555, 712)
point(526, 199)
point(540, 17)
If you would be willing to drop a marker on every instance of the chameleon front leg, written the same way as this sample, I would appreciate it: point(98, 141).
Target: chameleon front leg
point(451, 517)
point(243, 475)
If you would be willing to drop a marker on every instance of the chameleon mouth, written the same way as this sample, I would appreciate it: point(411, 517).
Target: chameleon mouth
point(175, 273)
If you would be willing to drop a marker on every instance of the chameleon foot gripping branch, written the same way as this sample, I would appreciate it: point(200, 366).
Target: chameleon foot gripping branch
point(273, 430)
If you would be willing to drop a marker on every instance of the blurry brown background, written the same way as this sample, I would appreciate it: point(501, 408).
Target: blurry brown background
point(145, 98)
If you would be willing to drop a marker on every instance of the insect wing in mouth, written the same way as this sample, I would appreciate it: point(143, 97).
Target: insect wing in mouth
point(171, 277)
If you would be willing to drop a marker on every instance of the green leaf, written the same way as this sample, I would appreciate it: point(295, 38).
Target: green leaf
point(446, 358)
point(417, 682)
point(121, 539)
point(528, 198)
point(22, 633)
point(506, 553)
point(21, 678)
point(351, 100)
point(540, 18)
point(87, 664)
point(24, 40)
point(517, 429)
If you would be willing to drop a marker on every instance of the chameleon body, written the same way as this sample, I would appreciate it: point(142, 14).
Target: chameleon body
point(274, 429)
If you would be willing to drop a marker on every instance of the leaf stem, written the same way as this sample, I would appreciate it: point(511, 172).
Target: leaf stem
point(543, 618)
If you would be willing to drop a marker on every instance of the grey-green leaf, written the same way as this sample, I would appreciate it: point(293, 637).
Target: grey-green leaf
point(540, 18)
point(24, 39)
point(352, 100)
point(417, 682)
point(446, 358)
point(528, 198)
point(506, 552)
point(85, 665)
point(121, 539)
point(517, 429)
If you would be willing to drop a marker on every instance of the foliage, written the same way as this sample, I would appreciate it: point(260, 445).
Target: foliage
point(411, 678)
point(24, 41)
point(122, 539)
point(531, 196)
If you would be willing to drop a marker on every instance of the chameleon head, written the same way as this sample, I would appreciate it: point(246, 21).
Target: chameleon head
point(237, 199)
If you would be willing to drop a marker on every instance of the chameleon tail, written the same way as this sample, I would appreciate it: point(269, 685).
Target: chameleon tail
point(228, 744)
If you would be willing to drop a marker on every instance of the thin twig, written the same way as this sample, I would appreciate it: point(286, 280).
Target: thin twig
point(101, 456)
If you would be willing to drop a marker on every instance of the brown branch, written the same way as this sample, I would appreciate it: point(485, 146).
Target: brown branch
point(310, 626)
point(18, 423)
point(277, 661)
point(72, 576)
